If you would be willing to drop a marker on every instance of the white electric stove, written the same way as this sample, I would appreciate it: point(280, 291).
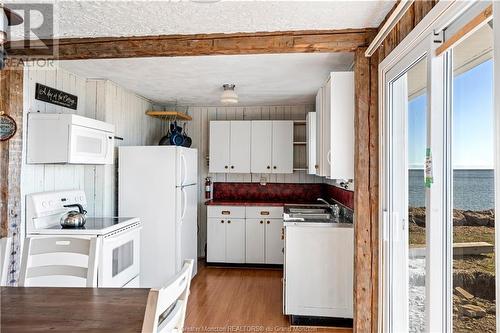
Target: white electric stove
point(118, 237)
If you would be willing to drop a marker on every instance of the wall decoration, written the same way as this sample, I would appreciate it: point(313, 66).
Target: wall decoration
point(8, 126)
point(55, 96)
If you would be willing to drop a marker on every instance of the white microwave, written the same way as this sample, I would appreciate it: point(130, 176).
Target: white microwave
point(69, 138)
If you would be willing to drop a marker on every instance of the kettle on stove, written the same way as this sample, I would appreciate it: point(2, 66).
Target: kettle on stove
point(73, 218)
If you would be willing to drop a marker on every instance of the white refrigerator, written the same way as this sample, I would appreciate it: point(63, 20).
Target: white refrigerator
point(158, 184)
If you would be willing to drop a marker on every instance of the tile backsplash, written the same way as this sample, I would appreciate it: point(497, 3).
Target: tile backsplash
point(281, 192)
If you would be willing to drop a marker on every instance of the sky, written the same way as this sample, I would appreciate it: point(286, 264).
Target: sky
point(473, 135)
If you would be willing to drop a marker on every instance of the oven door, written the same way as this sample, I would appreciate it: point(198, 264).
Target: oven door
point(120, 258)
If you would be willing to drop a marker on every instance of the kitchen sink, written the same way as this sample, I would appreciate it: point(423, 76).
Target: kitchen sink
point(315, 216)
point(308, 210)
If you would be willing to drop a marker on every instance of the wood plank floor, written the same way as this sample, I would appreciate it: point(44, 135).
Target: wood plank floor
point(239, 300)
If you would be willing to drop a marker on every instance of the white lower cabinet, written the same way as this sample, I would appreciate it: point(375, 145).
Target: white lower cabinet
point(216, 233)
point(324, 257)
point(255, 241)
point(235, 241)
point(251, 235)
point(274, 243)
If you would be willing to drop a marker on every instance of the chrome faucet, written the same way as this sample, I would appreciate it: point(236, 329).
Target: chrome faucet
point(333, 208)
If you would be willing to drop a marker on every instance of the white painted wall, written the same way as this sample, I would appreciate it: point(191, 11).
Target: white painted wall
point(97, 99)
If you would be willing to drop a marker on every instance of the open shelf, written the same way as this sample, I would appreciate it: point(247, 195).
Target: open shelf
point(169, 115)
point(299, 122)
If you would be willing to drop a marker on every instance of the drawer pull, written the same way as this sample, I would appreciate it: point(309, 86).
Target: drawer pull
point(226, 212)
point(264, 212)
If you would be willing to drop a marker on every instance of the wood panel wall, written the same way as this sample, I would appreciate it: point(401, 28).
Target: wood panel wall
point(410, 19)
point(11, 103)
point(109, 102)
point(198, 129)
point(98, 99)
point(366, 199)
point(365, 193)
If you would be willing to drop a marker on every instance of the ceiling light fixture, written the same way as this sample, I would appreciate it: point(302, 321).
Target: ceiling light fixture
point(229, 96)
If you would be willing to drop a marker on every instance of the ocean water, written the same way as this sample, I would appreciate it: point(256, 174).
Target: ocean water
point(472, 189)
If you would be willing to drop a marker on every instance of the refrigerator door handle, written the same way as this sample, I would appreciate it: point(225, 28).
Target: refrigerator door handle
point(183, 170)
point(184, 204)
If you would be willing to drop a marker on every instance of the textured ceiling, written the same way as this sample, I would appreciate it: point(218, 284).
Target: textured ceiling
point(270, 79)
point(135, 18)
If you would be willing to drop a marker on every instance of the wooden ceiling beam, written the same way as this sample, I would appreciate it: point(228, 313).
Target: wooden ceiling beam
point(309, 41)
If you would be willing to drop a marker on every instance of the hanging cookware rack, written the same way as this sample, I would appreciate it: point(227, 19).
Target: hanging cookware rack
point(170, 115)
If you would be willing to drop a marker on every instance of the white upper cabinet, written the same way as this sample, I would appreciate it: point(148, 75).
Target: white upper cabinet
point(326, 133)
point(240, 147)
point(335, 127)
point(229, 146)
point(220, 139)
point(261, 146)
point(282, 146)
point(262, 137)
point(272, 146)
point(319, 133)
point(311, 142)
point(342, 126)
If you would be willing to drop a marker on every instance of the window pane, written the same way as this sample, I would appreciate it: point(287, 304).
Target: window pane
point(416, 141)
point(473, 184)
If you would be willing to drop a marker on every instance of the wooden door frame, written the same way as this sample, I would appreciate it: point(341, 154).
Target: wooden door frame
point(310, 41)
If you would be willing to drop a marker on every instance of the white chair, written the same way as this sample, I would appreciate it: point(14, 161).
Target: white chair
point(166, 307)
point(5, 248)
point(54, 257)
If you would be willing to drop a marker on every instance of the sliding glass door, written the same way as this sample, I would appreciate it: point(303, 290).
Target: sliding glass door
point(406, 222)
point(472, 222)
point(439, 176)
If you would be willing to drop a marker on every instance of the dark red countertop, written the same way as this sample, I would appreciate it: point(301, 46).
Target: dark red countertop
point(252, 203)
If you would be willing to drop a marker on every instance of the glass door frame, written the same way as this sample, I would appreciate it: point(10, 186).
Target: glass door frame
point(423, 41)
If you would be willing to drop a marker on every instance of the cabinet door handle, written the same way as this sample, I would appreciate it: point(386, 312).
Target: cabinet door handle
point(261, 222)
point(269, 167)
point(232, 166)
point(268, 222)
point(222, 221)
point(228, 222)
point(274, 167)
point(225, 167)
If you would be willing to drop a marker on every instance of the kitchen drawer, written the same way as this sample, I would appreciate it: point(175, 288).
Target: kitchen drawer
point(263, 212)
point(226, 211)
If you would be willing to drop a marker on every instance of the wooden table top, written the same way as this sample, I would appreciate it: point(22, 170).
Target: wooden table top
point(72, 309)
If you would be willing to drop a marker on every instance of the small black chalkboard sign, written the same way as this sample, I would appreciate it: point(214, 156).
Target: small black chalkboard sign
point(54, 96)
